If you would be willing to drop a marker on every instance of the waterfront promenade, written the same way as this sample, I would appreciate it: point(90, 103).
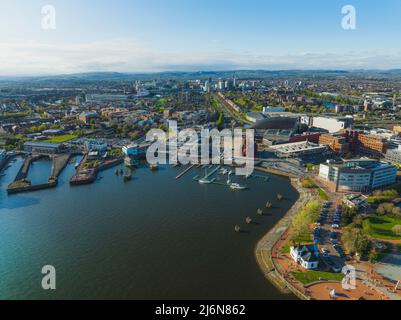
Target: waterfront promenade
point(264, 248)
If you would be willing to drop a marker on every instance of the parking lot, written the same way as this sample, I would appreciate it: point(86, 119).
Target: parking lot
point(327, 234)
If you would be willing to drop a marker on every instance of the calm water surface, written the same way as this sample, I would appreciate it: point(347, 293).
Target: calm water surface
point(151, 238)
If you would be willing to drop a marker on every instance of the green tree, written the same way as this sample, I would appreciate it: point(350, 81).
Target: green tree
point(348, 215)
point(355, 241)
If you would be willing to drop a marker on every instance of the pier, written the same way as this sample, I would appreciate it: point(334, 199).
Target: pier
point(185, 171)
point(211, 173)
point(89, 175)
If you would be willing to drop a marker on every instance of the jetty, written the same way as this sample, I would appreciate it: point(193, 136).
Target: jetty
point(88, 175)
point(185, 171)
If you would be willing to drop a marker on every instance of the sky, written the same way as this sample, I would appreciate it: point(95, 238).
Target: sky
point(194, 35)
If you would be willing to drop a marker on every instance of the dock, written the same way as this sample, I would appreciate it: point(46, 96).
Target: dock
point(211, 173)
point(207, 176)
point(258, 176)
point(185, 171)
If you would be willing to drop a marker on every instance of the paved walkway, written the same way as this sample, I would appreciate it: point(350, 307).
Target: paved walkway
point(264, 248)
point(362, 274)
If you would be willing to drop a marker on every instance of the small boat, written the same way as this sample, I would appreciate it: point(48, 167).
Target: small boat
point(237, 186)
point(237, 228)
point(117, 172)
point(204, 181)
point(248, 220)
point(127, 177)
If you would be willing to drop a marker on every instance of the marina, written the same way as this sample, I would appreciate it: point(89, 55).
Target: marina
point(186, 229)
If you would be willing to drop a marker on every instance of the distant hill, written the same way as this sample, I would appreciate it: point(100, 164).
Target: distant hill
point(243, 74)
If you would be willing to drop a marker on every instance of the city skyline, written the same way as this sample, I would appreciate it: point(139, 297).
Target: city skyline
point(156, 36)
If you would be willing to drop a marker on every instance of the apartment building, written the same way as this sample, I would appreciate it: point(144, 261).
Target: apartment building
point(337, 143)
point(365, 143)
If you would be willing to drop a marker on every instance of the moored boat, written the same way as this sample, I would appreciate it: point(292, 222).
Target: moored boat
point(237, 186)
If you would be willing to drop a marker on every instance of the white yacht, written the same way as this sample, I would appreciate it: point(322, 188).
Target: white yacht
point(204, 181)
point(237, 186)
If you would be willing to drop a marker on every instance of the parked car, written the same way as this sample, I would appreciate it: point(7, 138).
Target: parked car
point(336, 268)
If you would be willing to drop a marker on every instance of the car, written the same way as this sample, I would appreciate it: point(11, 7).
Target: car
point(318, 224)
point(336, 268)
point(325, 250)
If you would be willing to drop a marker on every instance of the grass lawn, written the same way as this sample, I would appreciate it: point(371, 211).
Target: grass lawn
point(286, 249)
point(380, 227)
point(308, 183)
point(303, 238)
point(308, 277)
point(61, 139)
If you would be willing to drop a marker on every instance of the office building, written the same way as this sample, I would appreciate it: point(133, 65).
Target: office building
point(357, 175)
point(394, 155)
point(332, 124)
point(42, 147)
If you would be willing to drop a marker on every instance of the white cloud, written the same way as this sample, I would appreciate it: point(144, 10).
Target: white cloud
point(127, 55)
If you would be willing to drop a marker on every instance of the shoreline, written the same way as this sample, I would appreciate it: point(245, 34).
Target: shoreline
point(264, 247)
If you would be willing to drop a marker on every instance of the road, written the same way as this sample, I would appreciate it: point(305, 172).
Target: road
point(329, 243)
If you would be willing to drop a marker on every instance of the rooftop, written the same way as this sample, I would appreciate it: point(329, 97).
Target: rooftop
point(42, 144)
point(297, 147)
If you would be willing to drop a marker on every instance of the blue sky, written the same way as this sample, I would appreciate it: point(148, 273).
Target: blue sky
point(158, 35)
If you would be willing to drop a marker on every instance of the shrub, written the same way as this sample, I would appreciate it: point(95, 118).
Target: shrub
point(397, 230)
